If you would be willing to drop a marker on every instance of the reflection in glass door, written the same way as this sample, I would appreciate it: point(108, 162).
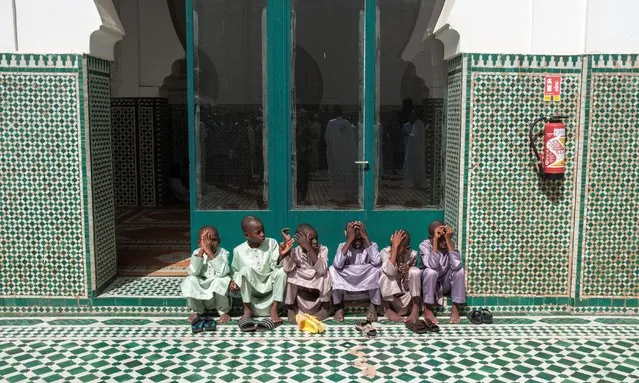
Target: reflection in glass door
point(327, 129)
point(408, 110)
point(231, 133)
point(293, 111)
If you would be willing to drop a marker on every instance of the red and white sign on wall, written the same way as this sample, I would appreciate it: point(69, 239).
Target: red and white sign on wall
point(552, 88)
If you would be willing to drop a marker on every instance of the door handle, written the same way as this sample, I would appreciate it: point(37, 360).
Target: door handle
point(362, 164)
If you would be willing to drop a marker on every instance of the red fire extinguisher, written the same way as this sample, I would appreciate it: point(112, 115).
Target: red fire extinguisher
point(553, 162)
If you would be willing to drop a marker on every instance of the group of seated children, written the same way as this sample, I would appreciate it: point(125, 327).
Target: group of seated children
point(266, 273)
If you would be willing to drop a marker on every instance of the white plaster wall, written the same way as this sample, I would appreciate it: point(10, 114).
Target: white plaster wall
point(558, 26)
point(540, 26)
point(6, 26)
point(613, 26)
point(143, 58)
point(56, 26)
point(125, 70)
point(493, 25)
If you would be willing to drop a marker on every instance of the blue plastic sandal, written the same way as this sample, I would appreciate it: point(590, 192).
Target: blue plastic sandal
point(210, 324)
point(197, 326)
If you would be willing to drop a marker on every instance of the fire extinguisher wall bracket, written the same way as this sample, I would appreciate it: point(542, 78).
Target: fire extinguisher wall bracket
point(550, 165)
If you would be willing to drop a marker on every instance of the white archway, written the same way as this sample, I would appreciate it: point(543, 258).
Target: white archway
point(102, 40)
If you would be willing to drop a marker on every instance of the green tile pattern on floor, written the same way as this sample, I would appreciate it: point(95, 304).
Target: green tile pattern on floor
point(160, 350)
point(168, 287)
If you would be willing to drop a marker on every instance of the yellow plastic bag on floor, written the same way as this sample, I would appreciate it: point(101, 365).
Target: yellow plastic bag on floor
point(310, 324)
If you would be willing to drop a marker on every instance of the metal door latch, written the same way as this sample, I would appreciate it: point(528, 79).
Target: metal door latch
point(363, 164)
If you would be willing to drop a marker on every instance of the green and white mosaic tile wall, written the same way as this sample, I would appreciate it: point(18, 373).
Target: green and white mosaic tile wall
point(57, 219)
point(517, 228)
point(142, 149)
point(455, 101)
point(551, 243)
point(101, 153)
point(528, 245)
point(610, 235)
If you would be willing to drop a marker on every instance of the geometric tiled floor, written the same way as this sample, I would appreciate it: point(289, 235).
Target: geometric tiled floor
point(515, 349)
point(144, 286)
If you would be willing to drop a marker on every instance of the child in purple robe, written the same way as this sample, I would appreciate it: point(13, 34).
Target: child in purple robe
point(356, 271)
point(443, 272)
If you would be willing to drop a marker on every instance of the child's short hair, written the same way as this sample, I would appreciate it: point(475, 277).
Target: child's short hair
point(206, 227)
point(305, 227)
point(434, 225)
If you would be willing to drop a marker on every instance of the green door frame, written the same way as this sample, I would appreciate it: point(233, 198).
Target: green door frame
point(280, 213)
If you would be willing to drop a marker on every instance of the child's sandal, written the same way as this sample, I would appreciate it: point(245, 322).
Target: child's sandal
point(486, 316)
point(210, 324)
point(475, 316)
point(197, 325)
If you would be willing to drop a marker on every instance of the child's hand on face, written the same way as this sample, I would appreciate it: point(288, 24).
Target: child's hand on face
point(303, 241)
point(233, 286)
point(205, 243)
point(362, 229)
point(397, 238)
point(449, 232)
point(439, 232)
point(350, 232)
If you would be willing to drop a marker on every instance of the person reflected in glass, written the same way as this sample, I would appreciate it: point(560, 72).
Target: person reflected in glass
point(341, 154)
point(415, 158)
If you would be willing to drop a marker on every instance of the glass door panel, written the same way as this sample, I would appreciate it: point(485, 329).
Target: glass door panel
point(327, 130)
point(230, 134)
point(315, 143)
point(408, 112)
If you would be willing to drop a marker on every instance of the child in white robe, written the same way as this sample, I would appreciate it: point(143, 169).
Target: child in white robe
point(257, 271)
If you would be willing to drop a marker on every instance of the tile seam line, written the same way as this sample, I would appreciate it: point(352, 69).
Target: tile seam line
point(500, 326)
point(360, 339)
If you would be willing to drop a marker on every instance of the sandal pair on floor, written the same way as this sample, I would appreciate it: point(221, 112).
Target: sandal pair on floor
point(422, 326)
point(203, 323)
point(252, 325)
point(367, 329)
point(480, 316)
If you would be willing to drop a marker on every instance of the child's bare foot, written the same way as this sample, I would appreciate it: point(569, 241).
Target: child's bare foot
point(339, 315)
point(392, 315)
point(276, 318)
point(428, 314)
point(412, 318)
point(291, 315)
point(224, 318)
point(322, 314)
point(247, 313)
point(454, 314)
point(372, 313)
point(192, 317)
point(274, 315)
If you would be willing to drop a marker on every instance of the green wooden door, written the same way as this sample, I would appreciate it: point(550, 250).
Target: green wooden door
point(296, 116)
